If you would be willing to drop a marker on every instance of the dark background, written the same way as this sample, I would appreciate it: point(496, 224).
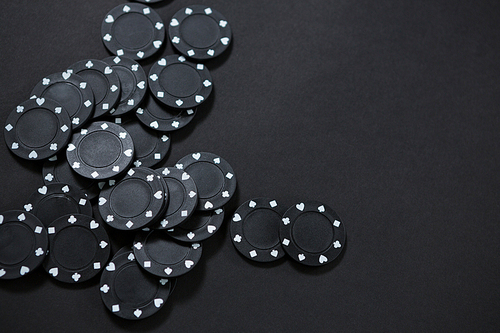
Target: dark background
point(386, 110)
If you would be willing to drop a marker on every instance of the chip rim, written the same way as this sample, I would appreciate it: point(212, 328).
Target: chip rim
point(41, 242)
point(198, 53)
point(202, 233)
point(229, 186)
point(101, 257)
point(294, 251)
point(176, 102)
point(60, 140)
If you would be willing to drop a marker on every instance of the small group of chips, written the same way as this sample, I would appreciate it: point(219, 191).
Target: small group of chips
point(110, 116)
point(310, 232)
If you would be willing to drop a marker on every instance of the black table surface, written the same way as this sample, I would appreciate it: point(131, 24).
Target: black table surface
point(388, 111)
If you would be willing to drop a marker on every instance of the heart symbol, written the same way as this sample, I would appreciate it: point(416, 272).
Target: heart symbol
point(300, 206)
point(72, 219)
point(33, 154)
point(217, 161)
point(102, 201)
point(66, 75)
point(2, 272)
point(252, 204)
point(40, 101)
point(162, 62)
point(208, 205)
point(71, 147)
point(286, 220)
point(154, 124)
point(108, 70)
point(159, 195)
point(42, 190)
point(321, 209)
point(140, 111)
point(27, 207)
point(189, 263)
point(168, 270)
point(199, 98)
point(211, 52)
point(65, 189)
point(141, 85)
point(174, 22)
point(137, 313)
point(237, 238)
point(223, 23)
point(21, 217)
point(128, 152)
point(83, 85)
point(157, 44)
point(322, 259)
point(158, 302)
point(190, 235)
point(116, 168)
point(196, 156)
point(109, 19)
point(274, 253)
point(54, 271)
point(185, 176)
point(236, 217)
point(24, 270)
point(111, 267)
point(224, 40)
point(211, 229)
point(301, 257)
point(94, 224)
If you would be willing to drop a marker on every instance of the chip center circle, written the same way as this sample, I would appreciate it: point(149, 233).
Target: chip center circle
point(100, 149)
point(133, 31)
point(209, 178)
point(134, 287)
point(29, 131)
point(261, 228)
point(74, 247)
point(130, 197)
point(16, 243)
point(162, 252)
point(199, 31)
point(180, 80)
point(67, 94)
point(313, 232)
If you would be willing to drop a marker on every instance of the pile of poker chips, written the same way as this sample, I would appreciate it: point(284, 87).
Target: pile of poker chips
point(101, 126)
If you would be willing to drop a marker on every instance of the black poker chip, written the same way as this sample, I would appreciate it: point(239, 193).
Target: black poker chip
point(130, 292)
point(133, 84)
point(312, 233)
point(133, 30)
point(102, 150)
point(79, 248)
point(134, 202)
point(104, 82)
point(179, 83)
point(57, 170)
point(37, 129)
point(199, 32)
point(200, 226)
point(214, 178)
point(255, 228)
point(23, 243)
point(161, 117)
point(183, 197)
point(164, 256)
point(52, 201)
point(72, 92)
point(151, 147)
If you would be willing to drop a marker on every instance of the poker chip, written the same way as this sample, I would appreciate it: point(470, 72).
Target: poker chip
point(79, 248)
point(200, 226)
point(130, 292)
point(214, 178)
point(163, 256)
point(150, 147)
point(199, 32)
point(72, 92)
point(134, 202)
point(102, 150)
point(133, 84)
point(37, 129)
point(52, 201)
point(183, 197)
point(103, 80)
point(255, 230)
point(133, 30)
point(23, 243)
point(179, 83)
point(163, 118)
point(312, 233)
point(57, 170)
